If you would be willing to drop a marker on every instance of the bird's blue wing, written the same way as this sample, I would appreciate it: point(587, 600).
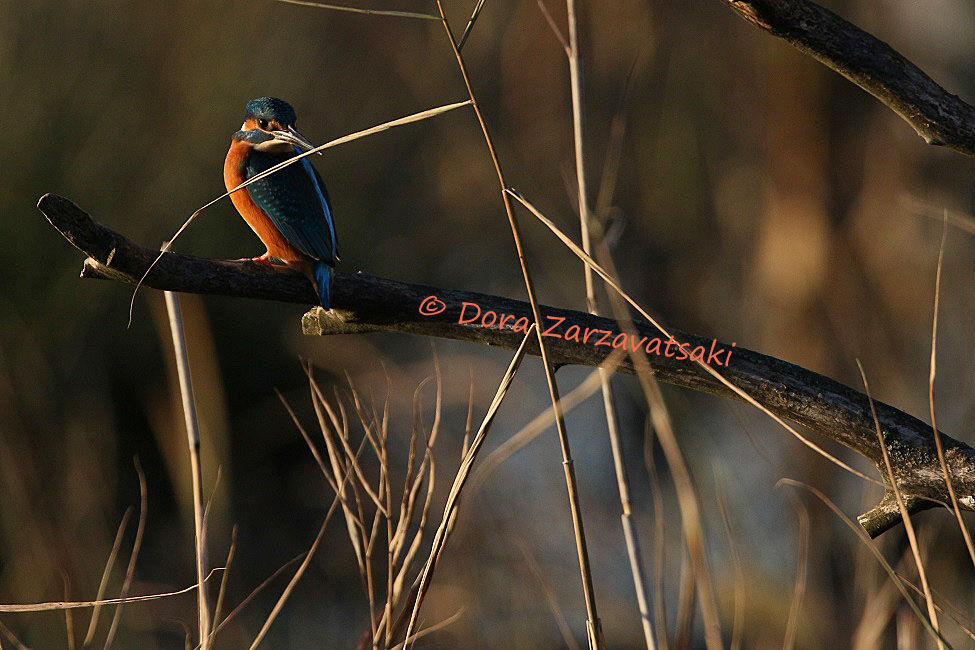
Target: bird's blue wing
point(297, 203)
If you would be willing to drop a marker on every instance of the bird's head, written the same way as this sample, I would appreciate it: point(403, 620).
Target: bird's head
point(269, 125)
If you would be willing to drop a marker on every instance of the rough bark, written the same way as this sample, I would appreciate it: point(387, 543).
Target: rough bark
point(938, 116)
point(364, 303)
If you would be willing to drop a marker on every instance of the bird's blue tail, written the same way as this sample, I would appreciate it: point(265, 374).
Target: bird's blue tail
point(323, 282)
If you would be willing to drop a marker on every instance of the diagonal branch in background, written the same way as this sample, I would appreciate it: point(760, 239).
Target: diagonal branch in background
point(938, 116)
point(365, 303)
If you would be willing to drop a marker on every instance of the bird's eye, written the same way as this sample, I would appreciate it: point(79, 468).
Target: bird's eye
point(262, 123)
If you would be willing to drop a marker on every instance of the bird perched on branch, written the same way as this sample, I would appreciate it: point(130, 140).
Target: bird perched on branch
point(289, 209)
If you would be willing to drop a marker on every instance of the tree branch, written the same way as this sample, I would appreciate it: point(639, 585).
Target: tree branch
point(938, 116)
point(364, 303)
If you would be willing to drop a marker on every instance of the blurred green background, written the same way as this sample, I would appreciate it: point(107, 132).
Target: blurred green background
point(764, 200)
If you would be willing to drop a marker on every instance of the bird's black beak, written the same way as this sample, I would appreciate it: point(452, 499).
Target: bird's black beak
point(291, 136)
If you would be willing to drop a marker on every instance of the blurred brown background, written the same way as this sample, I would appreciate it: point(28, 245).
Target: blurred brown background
point(765, 199)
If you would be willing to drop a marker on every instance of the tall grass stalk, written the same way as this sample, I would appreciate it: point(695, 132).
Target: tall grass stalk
point(908, 524)
point(609, 402)
point(193, 442)
point(610, 281)
point(934, 421)
point(134, 556)
point(460, 479)
point(593, 627)
point(918, 615)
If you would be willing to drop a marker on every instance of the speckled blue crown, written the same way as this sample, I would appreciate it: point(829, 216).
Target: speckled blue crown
point(271, 108)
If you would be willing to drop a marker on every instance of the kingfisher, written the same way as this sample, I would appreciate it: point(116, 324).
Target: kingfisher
point(288, 210)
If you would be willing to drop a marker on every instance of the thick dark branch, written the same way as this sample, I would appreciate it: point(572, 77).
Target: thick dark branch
point(938, 116)
point(364, 303)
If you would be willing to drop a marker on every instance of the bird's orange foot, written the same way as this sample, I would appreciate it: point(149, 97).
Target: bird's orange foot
point(263, 259)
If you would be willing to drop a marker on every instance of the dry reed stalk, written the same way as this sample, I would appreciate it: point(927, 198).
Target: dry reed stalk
point(254, 593)
point(908, 524)
point(83, 604)
point(879, 606)
point(738, 619)
point(470, 24)
point(934, 421)
point(283, 598)
point(103, 585)
point(541, 422)
point(5, 631)
point(687, 499)
point(630, 536)
point(357, 10)
point(460, 479)
point(959, 220)
point(429, 630)
point(659, 540)
point(549, 592)
point(133, 558)
point(611, 281)
point(555, 28)
point(963, 620)
point(222, 591)
point(802, 560)
point(870, 546)
point(592, 618)
point(686, 597)
point(68, 614)
point(193, 442)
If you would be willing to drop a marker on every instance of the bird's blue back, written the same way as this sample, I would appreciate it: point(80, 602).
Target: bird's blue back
point(296, 201)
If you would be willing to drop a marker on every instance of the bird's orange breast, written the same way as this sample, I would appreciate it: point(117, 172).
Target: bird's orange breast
point(260, 223)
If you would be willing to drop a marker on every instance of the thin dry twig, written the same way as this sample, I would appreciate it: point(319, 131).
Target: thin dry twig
point(68, 614)
point(554, 27)
point(103, 585)
point(549, 593)
point(357, 10)
point(738, 619)
point(960, 220)
point(463, 472)
point(686, 597)
point(802, 560)
point(934, 420)
point(255, 592)
point(611, 281)
point(81, 604)
point(687, 499)
point(908, 525)
point(865, 539)
point(470, 24)
point(592, 617)
point(5, 631)
point(430, 629)
point(222, 591)
point(133, 558)
point(659, 539)
point(295, 578)
point(609, 402)
point(541, 422)
point(964, 622)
